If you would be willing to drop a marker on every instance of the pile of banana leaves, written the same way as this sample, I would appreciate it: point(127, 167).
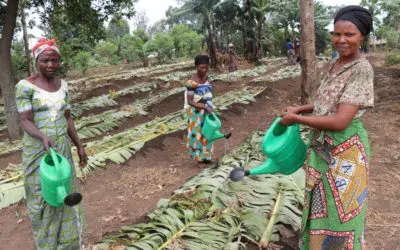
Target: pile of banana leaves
point(287, 72)
point(237, 75)
point(212, 212)
point(107, 100)
point(175, 76)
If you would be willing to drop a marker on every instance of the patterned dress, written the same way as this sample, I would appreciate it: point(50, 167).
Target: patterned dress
point(336, 183)
point(53, 228)
point(199, 148)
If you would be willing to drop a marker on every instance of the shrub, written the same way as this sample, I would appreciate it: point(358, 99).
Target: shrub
point(393, 59)
point(81, 61)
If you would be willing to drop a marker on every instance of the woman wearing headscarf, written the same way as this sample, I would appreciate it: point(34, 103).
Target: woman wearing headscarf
point(232, 58)
point(337, 168)
point(198, 102)
point(44, 109)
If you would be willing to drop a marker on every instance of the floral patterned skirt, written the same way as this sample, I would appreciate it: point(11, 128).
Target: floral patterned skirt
point(199, 148)
point(336, 193)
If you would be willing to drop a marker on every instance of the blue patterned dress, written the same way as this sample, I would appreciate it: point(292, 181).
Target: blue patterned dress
point(53, 228)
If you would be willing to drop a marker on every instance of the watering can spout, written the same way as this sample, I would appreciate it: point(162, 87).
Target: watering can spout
point(68, 199)
point(285, 149)
point(268, 167)
point(218, 135)
point(61, 193)
point(211, 127)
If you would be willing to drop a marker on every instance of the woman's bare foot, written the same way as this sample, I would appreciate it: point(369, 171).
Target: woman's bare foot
point(201, 164)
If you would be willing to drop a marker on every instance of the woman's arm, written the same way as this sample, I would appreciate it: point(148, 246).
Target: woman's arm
point(30, 128)
point(308, 108)
point(337, 122)
point(71, 129)
point(74, 137)
point(195, 104)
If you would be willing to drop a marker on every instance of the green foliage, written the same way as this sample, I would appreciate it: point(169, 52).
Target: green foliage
point(78, 25)
point(392, 36)
point(19, 63)
point(163, 45)
point(187, 42)
point(321, 19)
point(392, 10)
point(393, 59)
point(117, 28)
point(105, 52)
point(81, 61)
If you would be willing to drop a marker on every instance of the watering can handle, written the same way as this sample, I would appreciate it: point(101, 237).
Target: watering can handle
point(54, 157)
point(276, 121)
point(61, 189)
point(56, 163)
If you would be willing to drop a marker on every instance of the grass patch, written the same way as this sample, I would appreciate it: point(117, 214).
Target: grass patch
point(393, 59)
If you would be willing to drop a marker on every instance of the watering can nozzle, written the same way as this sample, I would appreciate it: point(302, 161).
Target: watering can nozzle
point(228, 135)
point(238, 174)
point(73, 199)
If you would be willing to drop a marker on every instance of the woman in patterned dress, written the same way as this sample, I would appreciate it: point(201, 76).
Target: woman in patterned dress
point(337, 168)
point(44, 109)
point(198, 102)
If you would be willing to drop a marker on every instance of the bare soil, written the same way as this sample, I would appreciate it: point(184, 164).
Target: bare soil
point(123, 194)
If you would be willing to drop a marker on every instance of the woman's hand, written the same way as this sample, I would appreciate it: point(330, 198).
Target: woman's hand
point(47, 143)
point(292, 110)
point(308, 108)
point(82, 157)
point(288, 119)
point(208, 109)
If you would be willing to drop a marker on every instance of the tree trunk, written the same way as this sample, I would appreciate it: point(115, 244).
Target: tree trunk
point(294, 38)
point(6, 77)
point(214, 31)
point(25, 37)
point(244, 34)
point(250, 15)
point(258, 51)
point(308, 63)
point(212, 46)
point(286, 33)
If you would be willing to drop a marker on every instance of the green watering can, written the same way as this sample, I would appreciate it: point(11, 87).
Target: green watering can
point(55, 175)
point(285, 149)
point(211, 127)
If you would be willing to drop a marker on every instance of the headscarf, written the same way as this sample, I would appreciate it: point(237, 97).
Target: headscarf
point(201, 59)
point(359, 16)
point(43, 45)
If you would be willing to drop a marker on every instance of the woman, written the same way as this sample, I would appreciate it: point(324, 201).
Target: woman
point(232, 58)
point(198, 102)
point(44, 109)
point(337, 170)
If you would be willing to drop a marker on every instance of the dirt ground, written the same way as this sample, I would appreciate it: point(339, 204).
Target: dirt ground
point(123, 194)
